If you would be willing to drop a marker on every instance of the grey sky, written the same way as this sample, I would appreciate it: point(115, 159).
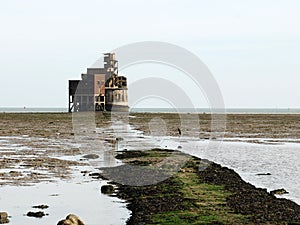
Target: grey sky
point(251, 47)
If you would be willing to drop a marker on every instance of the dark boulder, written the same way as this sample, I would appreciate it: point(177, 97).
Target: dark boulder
point(107, 189)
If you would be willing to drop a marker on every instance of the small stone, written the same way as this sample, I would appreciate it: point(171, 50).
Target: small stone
point(4, 217)
point(95, 175)
point(85, 172)
point(281, 191)
point(91, 156)
point(40, 207)
point(39, 214)
point(263, 174)
point(54, 195)
point(107, 189)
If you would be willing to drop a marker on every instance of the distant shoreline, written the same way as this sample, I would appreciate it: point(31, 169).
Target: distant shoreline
point(162, 110)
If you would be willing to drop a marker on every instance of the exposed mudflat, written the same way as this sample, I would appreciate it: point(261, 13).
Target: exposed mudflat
point(40, 151)
point(43, 162)
point(251, 126)
point(37, 147)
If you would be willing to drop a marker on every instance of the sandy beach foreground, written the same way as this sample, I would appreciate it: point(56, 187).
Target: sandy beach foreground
point(42, 148)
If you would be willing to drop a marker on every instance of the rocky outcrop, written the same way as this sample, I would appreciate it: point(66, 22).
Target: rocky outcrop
point(256, 204)
point(71, 219)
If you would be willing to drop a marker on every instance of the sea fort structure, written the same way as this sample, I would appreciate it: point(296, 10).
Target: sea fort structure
point(100, 89)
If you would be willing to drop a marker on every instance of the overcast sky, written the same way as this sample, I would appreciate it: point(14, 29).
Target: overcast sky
point(251, 47)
